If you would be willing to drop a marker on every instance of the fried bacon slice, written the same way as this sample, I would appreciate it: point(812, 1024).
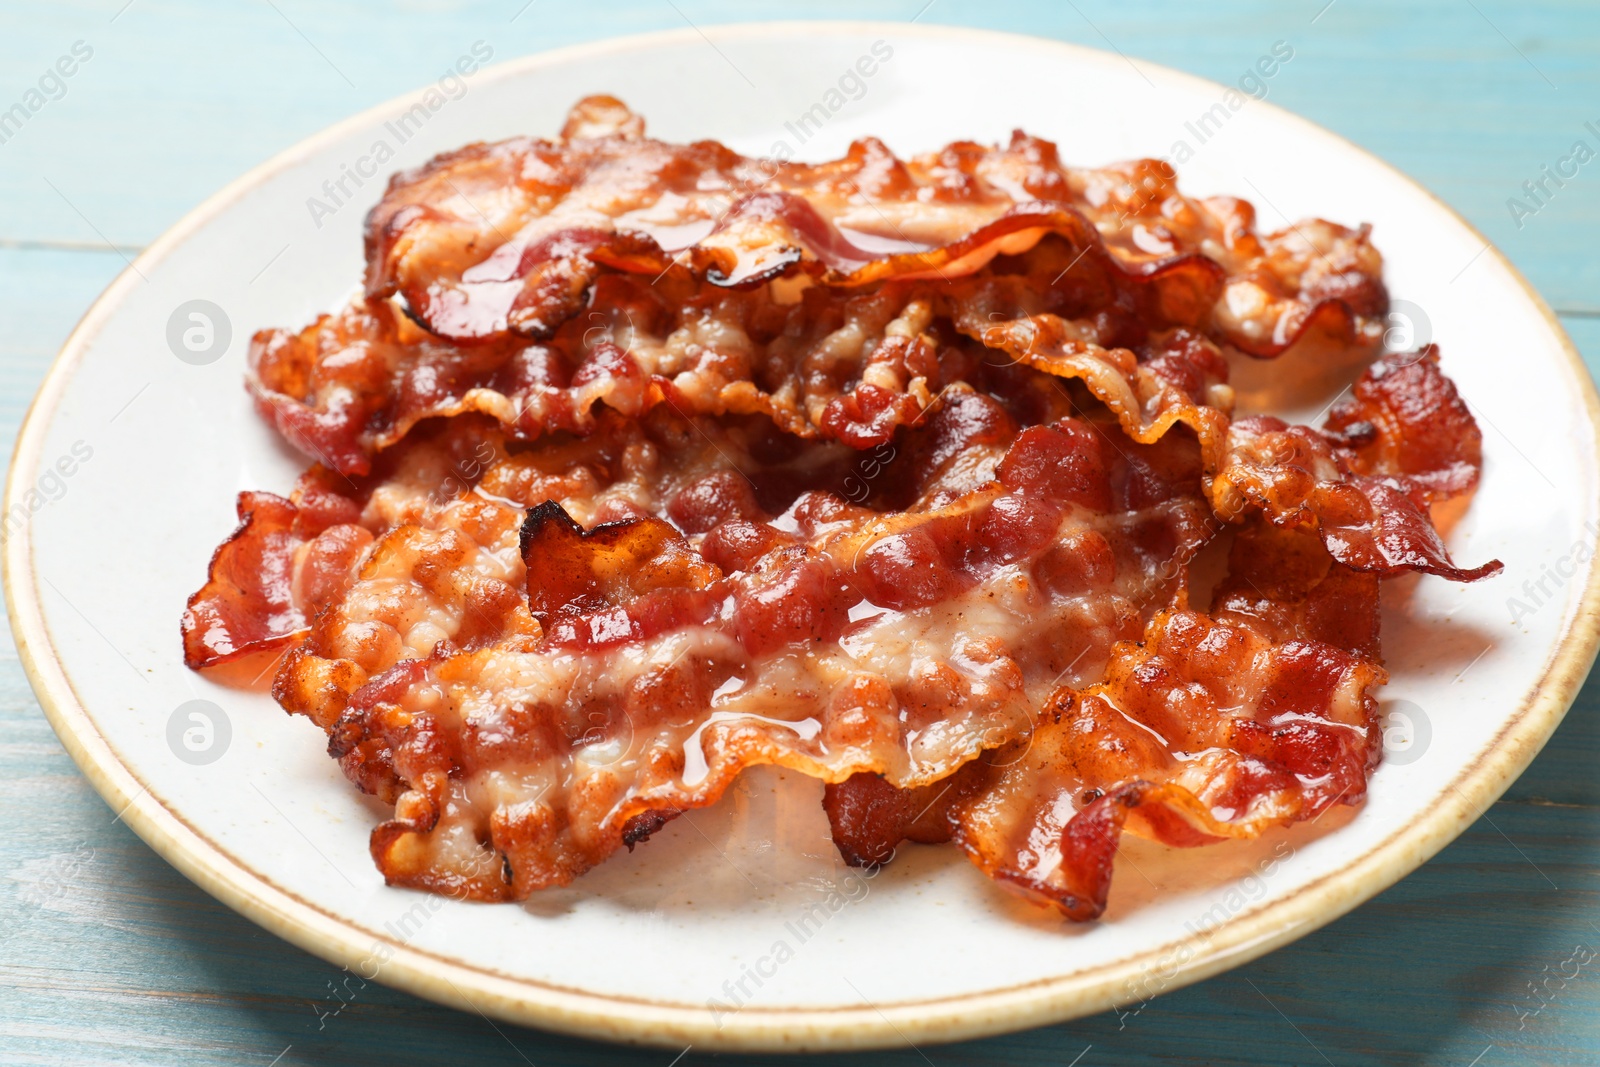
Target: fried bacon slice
point(503, 237)
point(1404, 441)
point(697, 602)
point(285, 557)
point(844, 365)
point(1203, 732)
point(1208, 729)
point(1223, 724)
point(639, 464)
point(1283, 583)
point(678, 570)
point(670, 565)
point(246, 605)
point(1405, 419)
point(495, 283)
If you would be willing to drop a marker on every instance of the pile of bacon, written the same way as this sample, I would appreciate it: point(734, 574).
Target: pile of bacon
point(638, 464)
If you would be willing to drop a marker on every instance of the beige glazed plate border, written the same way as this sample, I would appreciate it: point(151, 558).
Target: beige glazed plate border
point(627, 1019)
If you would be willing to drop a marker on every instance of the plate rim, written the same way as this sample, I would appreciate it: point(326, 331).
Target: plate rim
point(549, 1006)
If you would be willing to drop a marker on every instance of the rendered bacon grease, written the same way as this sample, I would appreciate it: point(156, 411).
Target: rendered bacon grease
point(638, 464)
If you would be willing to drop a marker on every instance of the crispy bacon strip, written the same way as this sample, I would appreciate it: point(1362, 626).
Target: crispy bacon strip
point(1181, 378)
point(498, 238)
point(1105, 257)
point(582, 583)
point(284, 555)
point(650, 663)
point(841, 365)
point(869, 816)
point(355, 383)
point(1405, 419)
point(670, 462)
point(1204, 732)
point(593, 596)
point(1221, 725)
point(1405, 440)
point(246, 605)
point(1283, 583)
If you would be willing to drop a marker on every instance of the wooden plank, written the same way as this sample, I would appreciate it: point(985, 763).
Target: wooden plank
point(43, 292)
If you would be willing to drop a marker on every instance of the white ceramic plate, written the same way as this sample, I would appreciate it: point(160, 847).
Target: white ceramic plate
point(737, 927)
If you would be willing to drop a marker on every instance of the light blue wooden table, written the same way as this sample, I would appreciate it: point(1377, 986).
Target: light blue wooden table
point(107, 955)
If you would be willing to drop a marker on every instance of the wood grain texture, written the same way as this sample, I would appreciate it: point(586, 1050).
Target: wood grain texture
point(107, 955)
